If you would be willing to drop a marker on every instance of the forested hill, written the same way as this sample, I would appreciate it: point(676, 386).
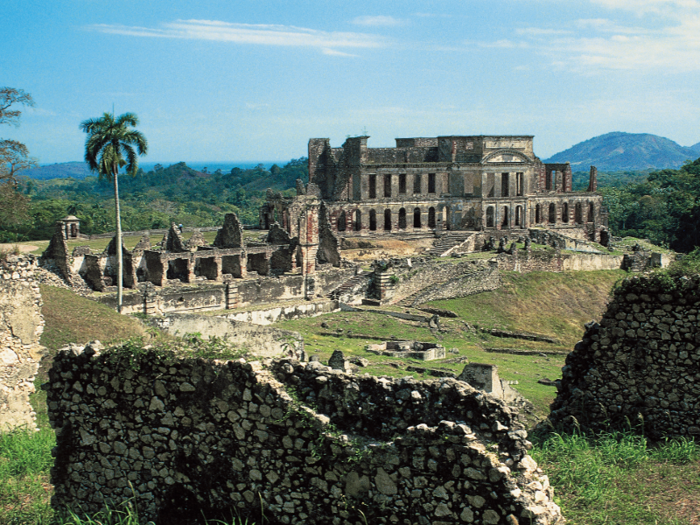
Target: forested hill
point(75, 170)
point(153, 199)
point(619, 151)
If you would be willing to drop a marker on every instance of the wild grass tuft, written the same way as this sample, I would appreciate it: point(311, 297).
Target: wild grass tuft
point(605, 478)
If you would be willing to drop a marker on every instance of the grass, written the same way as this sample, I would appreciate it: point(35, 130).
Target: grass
point(603, 479)
point(556, 305)
point(73, 319)
point(620, 478)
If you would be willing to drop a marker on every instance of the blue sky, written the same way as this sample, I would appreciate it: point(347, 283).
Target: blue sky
point(254, 80)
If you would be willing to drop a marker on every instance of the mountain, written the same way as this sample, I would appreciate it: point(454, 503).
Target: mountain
point(626, 151)
point(63, 170)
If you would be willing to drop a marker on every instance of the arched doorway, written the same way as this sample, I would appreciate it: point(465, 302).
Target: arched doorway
point(552, 213)
point(490, 220)
point(372, 220)
point(402, 219)
point(565, 212)
point(357, 222)
point(431, 217)
point(387, 220)
point(342, 222)
point(416, 218)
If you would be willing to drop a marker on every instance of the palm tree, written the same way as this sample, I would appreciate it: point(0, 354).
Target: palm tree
point(109, 142)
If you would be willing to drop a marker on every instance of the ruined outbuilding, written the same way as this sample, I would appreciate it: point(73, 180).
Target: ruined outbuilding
point(176, 260)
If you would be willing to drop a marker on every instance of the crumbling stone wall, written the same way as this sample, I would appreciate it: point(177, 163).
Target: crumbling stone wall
point(640, 360)
point(261, 341)
point(21, 325)
point(557, 261)
point(196, 437)
point(428, 279)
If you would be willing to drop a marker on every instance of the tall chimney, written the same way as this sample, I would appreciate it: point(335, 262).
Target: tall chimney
point(593, 181)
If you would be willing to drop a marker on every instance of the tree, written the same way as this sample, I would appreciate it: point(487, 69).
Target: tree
point(109, 142)
point(14, 156)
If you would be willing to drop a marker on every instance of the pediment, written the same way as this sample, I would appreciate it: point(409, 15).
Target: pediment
point(505, 157)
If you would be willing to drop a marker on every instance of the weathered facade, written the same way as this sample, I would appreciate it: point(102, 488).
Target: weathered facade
point(445, 183)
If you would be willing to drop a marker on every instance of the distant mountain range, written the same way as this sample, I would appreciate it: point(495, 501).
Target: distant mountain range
point(618, 151)
point(80, 170)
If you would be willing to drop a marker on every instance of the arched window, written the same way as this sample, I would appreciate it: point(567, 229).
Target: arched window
point(358, 220)
point(341, 221)
point(518, 215)
point(489, 217)
point(565, 212)
point(591, 213)
point(372, 220)
point(538, 214)
point(387, 220)
point(402, 219)
point(431, 217)
point(416, 218)
point(552, 213)
point(505, 223)
point(578, 213)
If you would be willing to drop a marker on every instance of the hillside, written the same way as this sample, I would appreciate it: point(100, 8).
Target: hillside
point(62, 170)
point(626, 151)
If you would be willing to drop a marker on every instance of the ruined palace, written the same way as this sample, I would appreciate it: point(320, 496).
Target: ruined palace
point(443, 183)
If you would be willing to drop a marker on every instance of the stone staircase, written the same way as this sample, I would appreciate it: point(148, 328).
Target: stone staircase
point(348, 286)
point(448, 242)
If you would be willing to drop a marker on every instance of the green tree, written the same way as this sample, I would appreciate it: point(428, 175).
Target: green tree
point(111, 145)
point(14, 156)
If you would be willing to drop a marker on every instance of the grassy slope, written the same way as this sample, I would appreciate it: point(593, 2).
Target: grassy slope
point(551, 304)
point(602, 481)
point(73, 319)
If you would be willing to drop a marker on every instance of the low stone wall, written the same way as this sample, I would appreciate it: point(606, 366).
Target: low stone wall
point(639, 365)
point(557, 261)
point(257, 340)
point(237, 293)
point(431, 279)
point(476, 279)
point(209, 438)
point(21, 325)
point(283, 313)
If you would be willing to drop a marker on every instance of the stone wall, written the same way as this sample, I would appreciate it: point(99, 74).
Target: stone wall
point(237, 293)
point(283, 313)
point(211, 438)
point(431, 279)
point(21, 325)
point(257, 340)
point(557, 261)
point(639, 365)
point(476, 278)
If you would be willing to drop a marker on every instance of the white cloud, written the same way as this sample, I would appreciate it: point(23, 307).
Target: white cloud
point(649, 6)
point(255, 34)
point(378, 21)
point(538, 31)
point(503, 44)
point(335, 52)
point(666, 37)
